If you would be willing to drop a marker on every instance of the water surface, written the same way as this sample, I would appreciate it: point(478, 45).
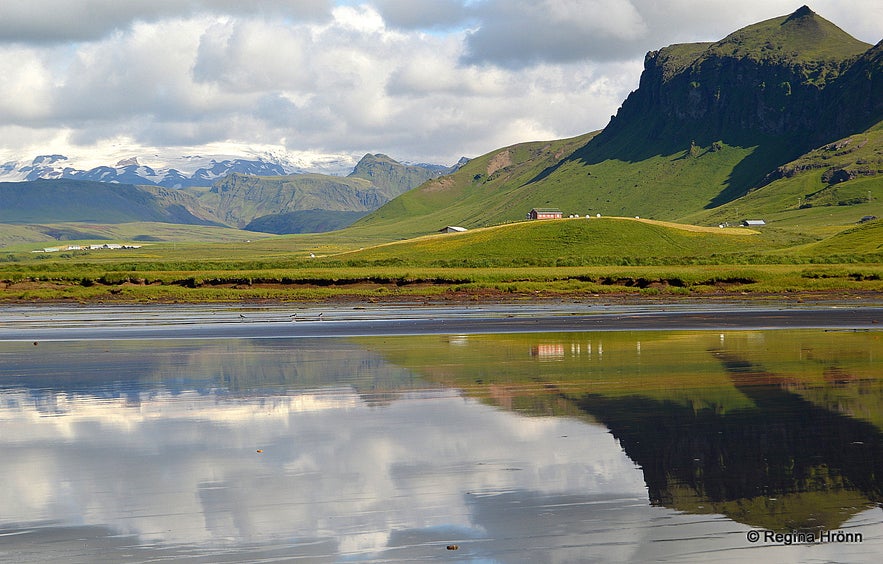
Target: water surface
point(560, 447)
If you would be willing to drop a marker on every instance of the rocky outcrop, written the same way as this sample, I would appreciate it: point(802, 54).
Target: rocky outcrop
point(242, 198)
point(392, 177)
point(774, 78)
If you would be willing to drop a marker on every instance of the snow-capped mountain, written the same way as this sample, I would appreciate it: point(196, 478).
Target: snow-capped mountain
point(170, 171)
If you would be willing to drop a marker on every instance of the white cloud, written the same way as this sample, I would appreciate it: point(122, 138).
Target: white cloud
point(426, 80)
point(427, 14)
point(522, 32)
point(59, 21)
point(25, 87)
point(234, 55)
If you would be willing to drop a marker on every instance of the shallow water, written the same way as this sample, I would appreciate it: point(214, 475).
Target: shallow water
point(557, 447)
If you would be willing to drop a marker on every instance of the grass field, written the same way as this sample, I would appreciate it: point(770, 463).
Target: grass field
point(526, 260)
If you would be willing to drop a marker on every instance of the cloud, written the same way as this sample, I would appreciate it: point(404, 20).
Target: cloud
point(428, 14)
point(59, 21)
point(426, 80)
point(517, 33)
point(521, 33)
point(233, 55)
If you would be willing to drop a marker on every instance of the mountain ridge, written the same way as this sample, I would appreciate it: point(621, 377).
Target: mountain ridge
point(177, 171)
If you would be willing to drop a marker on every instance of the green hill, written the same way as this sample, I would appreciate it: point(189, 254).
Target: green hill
point(822, 191)
point(568, 242)
point(865, 238)
point(709, 124)
point(489, 189)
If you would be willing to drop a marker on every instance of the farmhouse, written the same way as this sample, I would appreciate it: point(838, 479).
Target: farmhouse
point(452, 229)
point(545, 213)
point(753, 222)
point(86, 247)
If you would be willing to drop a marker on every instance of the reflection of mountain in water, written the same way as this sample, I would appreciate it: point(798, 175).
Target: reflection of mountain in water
point(793, 446)
point(786, 464)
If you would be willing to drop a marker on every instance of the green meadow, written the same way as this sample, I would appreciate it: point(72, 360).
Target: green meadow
point(523, 260)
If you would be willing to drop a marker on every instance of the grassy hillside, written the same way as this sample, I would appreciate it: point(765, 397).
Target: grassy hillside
point(569, 242)
point(527, 260)
point(796, 39)
point(822, 192)
point(818, 194)
point(492, 188)
point(865, 239)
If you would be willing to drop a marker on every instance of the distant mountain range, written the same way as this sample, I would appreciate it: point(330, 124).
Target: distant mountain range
point(169, 171)
point(263, 198)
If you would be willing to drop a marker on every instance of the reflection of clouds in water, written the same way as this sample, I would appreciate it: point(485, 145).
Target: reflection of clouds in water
point(184, 468)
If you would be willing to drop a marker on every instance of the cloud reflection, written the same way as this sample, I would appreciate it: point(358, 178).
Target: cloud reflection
point(184, 468)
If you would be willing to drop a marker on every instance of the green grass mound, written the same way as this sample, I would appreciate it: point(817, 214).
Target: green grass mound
point(566, 242)
point(866, 239)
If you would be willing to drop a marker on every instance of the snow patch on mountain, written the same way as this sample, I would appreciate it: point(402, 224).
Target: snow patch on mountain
point(174, 170)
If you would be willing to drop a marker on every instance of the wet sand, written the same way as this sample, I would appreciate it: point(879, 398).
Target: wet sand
point(62, 323)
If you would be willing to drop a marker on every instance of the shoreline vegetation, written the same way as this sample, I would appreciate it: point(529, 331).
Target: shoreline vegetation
point(88, 283)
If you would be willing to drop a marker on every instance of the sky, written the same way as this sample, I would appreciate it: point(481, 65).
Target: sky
point(419, 80)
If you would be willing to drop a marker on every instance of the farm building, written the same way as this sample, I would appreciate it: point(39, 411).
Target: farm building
point(452, 229)
point(545, 213)
point(753, 222)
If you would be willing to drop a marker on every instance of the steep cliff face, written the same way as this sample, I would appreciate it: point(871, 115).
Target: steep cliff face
point(770, 79)
point(855, 100)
